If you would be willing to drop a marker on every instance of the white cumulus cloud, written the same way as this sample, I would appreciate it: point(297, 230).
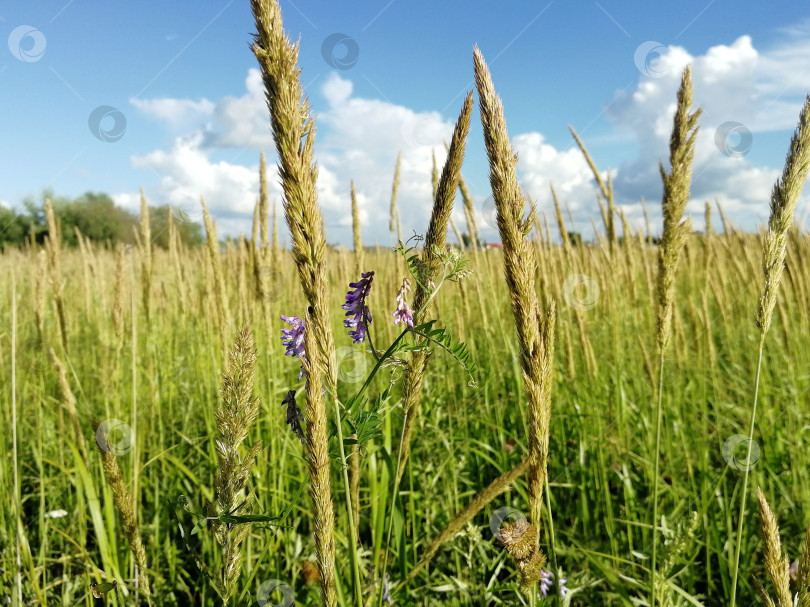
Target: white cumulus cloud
point(359, 138)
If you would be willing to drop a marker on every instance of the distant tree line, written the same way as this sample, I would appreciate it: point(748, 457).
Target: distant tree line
point(96, 217)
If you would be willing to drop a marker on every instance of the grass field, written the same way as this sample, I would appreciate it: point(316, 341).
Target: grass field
point(163, 504)
point(164, 386)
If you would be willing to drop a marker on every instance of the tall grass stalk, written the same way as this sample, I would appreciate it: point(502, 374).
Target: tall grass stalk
point(294, 133)
point(357, 237)
point(125, 507)
point(15, 462)
point(784, 197)
point(606, 191)
point(234, 419)
point(435, 239)
point(676, 229)
point(534, 327)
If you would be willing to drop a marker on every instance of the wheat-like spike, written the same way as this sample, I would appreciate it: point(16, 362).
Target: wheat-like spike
point(294, 134)
point(776, 564)
point(456, 233)
point(146, 255)
point(125, 508)
point(566, 241)
point(469, 212)
point(41, 293)
point(535, 329)
point(234, 418)
point(223, 307)
point(804, 572)
point(606, 190)
point(356, 235)
point(264, 204)
point(394, 191)
point(69, 402)
point(434, 174)
point(434, 240)
point(675, 197)
point(784, 197)
point(707, 213)
point(118, 300)
point(53, 244)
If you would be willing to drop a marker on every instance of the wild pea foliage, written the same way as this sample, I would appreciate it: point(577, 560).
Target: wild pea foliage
point(362, 416)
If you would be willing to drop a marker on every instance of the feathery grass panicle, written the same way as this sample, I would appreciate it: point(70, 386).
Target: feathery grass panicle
point(223, 308)
point(41, 293)
point(566, 241)
point(53, 245)
point(435, 239)
point(675, 197)
point(803, 572)
point(276, 244)
point(707, 214)
point(469, 212)
point(457, 233)
point(294, 134)
point(676, 229)
point(118, 299)
point(356, 235)
point(239, 410)
point(146, 256)
point(535, 329)
point(355, 450)
point(264, 204)
point(69, 403)
point(434, 174)
point(125, 507)
point(776, 564)
point(606, 191)
point(784, 197)
point(392, 220)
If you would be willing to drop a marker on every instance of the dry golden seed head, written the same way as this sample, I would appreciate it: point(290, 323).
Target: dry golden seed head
point(776, 564)
point(784, 197)
point(518, 538)
point(675, 197)
point(530, 570)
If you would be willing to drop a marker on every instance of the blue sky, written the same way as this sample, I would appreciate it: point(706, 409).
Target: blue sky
point(183, 79)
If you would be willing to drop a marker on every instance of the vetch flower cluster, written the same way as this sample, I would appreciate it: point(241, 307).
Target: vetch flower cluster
point(403, 313)
point(293, 339)
point(546, 582)
point(356, 308)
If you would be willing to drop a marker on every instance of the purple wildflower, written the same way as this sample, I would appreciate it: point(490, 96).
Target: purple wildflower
point(293, 339)
point(294, 415)
point(562, 588)
point(545, 583)
point(403, 312)
point(357, 309)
